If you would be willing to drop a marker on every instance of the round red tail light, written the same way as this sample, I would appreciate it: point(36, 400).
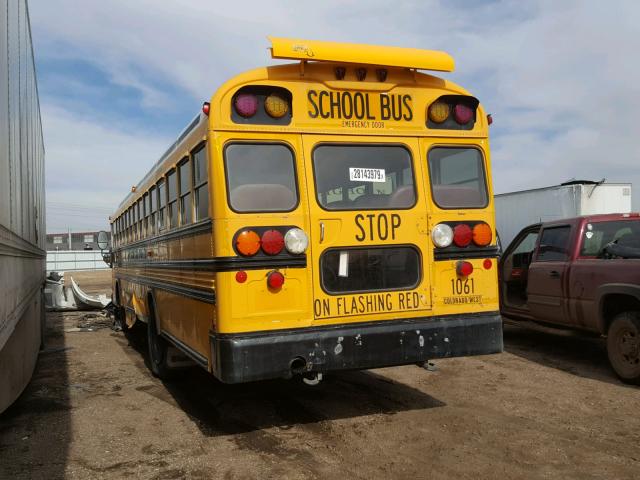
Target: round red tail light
point(487, 264)
point(462, 235)
point(246, 105)
point(464, 269)
point(241, 276)
point(272, 242)
point(275, 280)
point(462, 114)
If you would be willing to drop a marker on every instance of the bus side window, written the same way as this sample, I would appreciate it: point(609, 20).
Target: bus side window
point(162, 202)
point(186, 213)
point(153, 200)
point(172, 193)
point(145, 222)
point(200, 186)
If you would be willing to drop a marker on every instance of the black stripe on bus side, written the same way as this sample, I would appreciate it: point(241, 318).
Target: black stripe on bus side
point(195, 356)
point(204, 295)
point(223, 264)
point(464, 254)
point(182, 232)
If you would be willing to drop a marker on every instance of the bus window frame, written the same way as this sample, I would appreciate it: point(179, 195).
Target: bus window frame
point(162, 209)
point(186, 160)
point(172, 175)
point(294, 159)
point(194, 187)
point(484, 174)
point(367, 144)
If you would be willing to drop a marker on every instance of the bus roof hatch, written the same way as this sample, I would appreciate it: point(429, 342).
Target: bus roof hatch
point(317, 51)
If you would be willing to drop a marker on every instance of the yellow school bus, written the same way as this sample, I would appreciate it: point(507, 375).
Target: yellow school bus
point(332, 213)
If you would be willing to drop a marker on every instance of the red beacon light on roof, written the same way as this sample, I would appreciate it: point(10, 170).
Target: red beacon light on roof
point(246, 104)
point(462, 114)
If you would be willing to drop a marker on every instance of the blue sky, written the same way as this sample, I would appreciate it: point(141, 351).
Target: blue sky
point(118, 80)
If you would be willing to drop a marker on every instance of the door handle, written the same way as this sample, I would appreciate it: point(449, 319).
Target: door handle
point(321, 232)
point(554, 274)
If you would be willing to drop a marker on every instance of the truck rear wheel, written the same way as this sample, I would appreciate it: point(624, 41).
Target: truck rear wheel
point(623, 346)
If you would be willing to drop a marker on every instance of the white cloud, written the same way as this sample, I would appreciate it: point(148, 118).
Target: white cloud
point(560, 77)
point(90, 167)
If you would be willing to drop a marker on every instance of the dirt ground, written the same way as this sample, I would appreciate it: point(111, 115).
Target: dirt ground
point(549, 407)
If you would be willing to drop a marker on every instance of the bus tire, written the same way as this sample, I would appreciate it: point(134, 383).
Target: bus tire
point(623, 346)
point(158, 349)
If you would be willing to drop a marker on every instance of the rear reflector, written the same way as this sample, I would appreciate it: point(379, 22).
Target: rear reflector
point(241, 276)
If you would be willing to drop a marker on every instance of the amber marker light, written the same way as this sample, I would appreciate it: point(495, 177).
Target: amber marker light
point(248, 243)
point(439, 112)
point(482, 234)
point(276, 106)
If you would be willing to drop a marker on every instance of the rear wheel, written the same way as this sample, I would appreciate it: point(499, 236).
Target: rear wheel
point(158, 349)
point(623, 346)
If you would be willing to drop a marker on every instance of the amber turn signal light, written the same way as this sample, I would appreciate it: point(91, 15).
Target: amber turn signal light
point(482, 234)
point(248, 243)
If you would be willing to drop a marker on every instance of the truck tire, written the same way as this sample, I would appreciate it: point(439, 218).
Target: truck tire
point(158, 349)
point(623, 346)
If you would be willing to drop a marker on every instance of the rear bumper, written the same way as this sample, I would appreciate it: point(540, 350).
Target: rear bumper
point(257, 356)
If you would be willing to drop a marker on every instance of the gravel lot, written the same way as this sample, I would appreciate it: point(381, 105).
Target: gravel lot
point(549, 407)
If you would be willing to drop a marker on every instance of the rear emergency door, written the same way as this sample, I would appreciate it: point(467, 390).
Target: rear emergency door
point(368, 229)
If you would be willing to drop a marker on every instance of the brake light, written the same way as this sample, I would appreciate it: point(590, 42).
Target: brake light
point(272, 242)
point(482, 234)
point(462, 235)
point(275, 280)
point(246, 105)
point(248, 243)
point(464, 269)
point(462, 114)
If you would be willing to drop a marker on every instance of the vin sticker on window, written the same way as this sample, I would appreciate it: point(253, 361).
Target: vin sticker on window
point(367, 174)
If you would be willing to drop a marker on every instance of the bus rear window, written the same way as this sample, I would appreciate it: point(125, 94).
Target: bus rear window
point(260, 178)
point(363, 177)
point(457, 177)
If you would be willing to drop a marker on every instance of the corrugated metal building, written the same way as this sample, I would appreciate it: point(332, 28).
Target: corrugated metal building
point(22, 203)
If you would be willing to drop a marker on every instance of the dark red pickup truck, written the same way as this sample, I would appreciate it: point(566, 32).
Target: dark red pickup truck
point(582, 273)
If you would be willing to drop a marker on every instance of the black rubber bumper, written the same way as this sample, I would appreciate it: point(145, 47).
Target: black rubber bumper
point(258, 356)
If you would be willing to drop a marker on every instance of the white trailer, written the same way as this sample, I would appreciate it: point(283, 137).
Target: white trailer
point(516, 210)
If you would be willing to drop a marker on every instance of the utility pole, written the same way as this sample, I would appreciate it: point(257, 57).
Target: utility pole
point(70, 238)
